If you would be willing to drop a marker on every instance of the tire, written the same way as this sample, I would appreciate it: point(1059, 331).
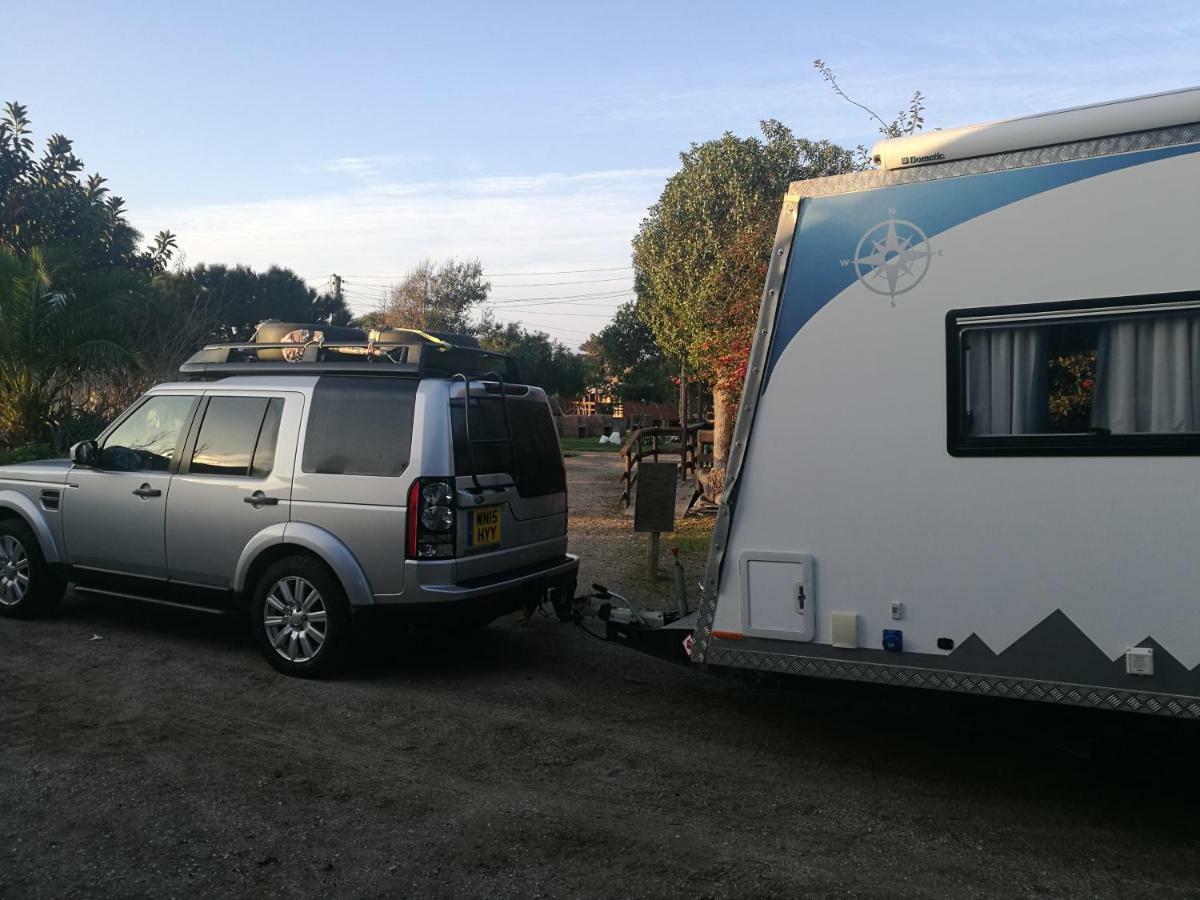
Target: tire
point(28, 585)
point(284, 617)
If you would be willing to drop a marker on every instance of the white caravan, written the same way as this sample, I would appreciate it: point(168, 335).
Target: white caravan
point(968, 452)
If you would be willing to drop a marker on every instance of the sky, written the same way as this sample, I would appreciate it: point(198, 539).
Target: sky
point(362, 137)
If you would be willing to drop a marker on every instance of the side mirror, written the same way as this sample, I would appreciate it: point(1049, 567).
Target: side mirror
point(85, 453)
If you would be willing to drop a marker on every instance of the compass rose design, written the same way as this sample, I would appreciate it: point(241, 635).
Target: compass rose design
point(892, 257)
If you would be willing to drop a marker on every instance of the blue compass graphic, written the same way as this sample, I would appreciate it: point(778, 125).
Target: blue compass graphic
point(892, 257)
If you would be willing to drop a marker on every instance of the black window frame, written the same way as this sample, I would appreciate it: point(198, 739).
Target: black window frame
point(961, 444)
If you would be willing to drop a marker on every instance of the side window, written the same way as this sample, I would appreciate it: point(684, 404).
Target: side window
point(1112, 380)
point(150, 437)
point(237, 437)
point(360, 425)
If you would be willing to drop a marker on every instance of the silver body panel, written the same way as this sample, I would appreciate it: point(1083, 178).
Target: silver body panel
point(201, 532)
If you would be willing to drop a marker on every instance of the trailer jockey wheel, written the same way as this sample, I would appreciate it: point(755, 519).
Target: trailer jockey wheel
point(563, 601)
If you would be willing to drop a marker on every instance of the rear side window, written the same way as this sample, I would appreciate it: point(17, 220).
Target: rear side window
point(537, 468)
point(360, 425)
point(237, 437)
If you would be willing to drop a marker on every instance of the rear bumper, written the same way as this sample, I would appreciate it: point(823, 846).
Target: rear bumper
point(483, 599)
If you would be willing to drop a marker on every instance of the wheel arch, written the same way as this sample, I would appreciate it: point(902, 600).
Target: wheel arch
point(15, 505)
point(292, 538)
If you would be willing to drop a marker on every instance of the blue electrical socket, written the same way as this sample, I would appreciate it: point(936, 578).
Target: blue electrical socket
point(893, 640)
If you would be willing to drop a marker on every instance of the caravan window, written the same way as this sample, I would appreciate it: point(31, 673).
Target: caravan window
point(1103, 377)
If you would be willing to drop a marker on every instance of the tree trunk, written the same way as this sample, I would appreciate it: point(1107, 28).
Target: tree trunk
point(724, 416)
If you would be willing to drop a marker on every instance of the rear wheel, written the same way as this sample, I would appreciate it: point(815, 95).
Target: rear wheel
point(300, 617)
point(28, 585)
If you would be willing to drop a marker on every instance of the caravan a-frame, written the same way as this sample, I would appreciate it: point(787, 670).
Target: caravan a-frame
point(968, 452)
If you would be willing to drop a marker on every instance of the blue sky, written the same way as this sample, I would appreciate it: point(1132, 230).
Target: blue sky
point(358, 138)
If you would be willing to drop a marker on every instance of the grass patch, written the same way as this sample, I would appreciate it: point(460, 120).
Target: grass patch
point(691, 535)
point(577, 444)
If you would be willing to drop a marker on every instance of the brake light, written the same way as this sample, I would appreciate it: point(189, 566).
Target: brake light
point(430, 519)
point(411, 518)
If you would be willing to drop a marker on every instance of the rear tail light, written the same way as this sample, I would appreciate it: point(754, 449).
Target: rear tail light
point(431, 519)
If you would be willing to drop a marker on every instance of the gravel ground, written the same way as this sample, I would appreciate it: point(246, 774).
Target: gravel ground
point(153, 753)
point(610, 553)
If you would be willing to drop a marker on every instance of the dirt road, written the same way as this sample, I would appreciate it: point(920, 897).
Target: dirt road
point(152, 753)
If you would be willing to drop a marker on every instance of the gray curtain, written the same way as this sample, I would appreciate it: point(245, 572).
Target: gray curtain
point(1148, 376)
point(1007, 380)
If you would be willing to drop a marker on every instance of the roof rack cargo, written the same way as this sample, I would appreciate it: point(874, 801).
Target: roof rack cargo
point(283, 348)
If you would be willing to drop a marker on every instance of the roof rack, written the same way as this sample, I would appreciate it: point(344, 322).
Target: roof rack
point(383, 354)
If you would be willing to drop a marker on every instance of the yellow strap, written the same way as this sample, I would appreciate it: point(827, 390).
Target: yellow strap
point(445, 345)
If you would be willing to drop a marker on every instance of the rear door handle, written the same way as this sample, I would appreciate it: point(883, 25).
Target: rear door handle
point(258, 498)
point(146, 491)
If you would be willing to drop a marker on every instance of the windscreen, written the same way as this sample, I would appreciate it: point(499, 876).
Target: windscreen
point(533, 459)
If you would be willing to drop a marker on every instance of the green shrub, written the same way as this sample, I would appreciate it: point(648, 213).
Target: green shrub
point(25, 453)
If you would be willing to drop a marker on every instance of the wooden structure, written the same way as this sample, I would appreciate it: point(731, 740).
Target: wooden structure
point(650, 443)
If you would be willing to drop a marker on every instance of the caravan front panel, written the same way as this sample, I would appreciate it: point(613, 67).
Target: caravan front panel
point(973, 410)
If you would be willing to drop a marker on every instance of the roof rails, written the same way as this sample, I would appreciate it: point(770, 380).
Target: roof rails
point(304, 350)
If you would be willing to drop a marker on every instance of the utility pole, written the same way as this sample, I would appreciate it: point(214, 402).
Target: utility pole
point(337, 288)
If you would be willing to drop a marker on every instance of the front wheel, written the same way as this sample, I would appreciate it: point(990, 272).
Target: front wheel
point(300, 617)
point(28, 585)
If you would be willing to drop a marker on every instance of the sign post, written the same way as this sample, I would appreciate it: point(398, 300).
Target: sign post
point(654, 507)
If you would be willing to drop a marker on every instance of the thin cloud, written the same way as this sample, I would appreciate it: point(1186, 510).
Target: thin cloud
point(546, 222)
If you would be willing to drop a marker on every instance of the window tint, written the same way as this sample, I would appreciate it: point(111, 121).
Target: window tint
point(268, 436)
point(537, 468)
point(1102, 380)
point(227, 436)
point(150, 437)
point(360, 425)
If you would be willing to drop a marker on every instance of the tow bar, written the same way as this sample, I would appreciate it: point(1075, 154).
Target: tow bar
point(665, 634)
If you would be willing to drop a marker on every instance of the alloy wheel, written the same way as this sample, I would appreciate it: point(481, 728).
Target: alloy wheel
point(296, 619)
point(14, 571)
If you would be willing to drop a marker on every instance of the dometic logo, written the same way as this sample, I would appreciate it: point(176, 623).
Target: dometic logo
point(892, 257)
point(916, 160)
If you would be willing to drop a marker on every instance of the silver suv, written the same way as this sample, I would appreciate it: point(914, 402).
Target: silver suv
point(311, 482)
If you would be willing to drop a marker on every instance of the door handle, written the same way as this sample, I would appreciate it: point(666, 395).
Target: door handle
point(258, 498)
point(146, 491)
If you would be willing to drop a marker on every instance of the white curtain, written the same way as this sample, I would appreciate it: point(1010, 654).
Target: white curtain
point(1148, 376)
point(1007, 381)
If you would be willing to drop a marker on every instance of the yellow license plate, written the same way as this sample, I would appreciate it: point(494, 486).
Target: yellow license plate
point(485, 527)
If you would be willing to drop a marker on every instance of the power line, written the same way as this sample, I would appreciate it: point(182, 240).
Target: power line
point(599, 295)
point(522, 284)
point(398, 277)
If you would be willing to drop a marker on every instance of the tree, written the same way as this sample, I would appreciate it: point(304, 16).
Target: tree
point(544, 361)
point(44, 203)
point(56, 323)
point(236, 299)
point(437, 297)
point(628, 361)
point(701, 254)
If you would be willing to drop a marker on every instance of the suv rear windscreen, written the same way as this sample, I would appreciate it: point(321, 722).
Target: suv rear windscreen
point(537, 469)
point(360, 425)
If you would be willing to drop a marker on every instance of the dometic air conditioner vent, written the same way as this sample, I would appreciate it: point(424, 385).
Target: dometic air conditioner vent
point(1065, 126)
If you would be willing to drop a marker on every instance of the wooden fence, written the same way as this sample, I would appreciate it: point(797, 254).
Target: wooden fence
point(650, 443)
